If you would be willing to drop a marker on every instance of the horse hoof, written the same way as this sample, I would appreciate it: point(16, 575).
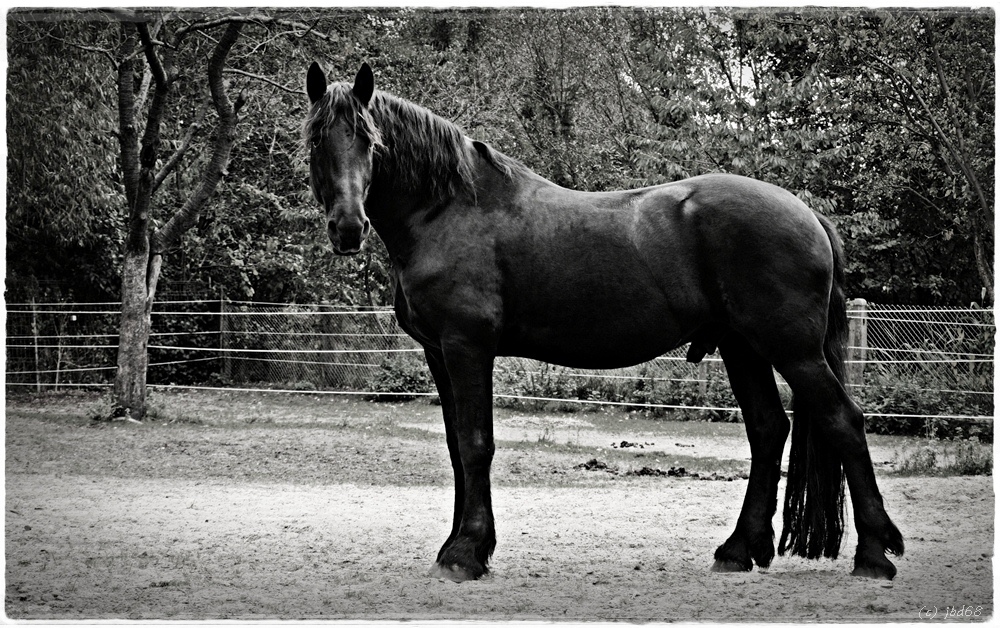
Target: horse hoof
point(454, 573)
point(730, 566)
point(886, 571)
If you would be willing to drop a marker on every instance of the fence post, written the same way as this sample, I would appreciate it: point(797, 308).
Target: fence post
point(327, 376)
point(857, 341)
point(34, 335)
point(227, 361)
point(703, 382)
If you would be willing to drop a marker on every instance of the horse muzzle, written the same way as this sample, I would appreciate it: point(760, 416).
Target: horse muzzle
point(348, 237)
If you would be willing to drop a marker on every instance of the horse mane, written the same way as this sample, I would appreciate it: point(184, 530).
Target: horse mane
point(416, 148)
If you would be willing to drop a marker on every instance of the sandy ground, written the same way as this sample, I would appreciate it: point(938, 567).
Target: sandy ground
point(727, 444)
point(270, 512)
point(156, 549)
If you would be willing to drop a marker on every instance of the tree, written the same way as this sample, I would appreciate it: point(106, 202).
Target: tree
point(143, 173)
point(930, 145)
point(157, 57)
point(857, 112)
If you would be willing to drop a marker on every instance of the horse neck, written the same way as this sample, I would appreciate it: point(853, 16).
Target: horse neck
point(394, 211)
point(414, 175)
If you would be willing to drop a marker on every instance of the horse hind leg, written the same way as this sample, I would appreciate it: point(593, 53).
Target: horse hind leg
point(753, 385)
point(831, 427)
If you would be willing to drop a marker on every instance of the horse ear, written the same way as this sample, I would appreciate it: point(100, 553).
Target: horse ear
point(364, 84)
point(315, 82)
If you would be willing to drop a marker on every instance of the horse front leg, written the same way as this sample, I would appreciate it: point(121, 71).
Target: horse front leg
point(435, 361)
point(467, 551)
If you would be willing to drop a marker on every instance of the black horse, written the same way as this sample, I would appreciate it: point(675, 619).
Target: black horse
point(489, 258)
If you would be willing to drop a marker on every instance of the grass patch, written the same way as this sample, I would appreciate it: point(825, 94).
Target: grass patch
point(313, 437)
point(957, 457)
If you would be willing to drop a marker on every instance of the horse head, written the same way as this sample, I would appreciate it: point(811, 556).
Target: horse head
point(342, 139)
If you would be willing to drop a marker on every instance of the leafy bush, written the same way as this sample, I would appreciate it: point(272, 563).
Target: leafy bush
point(548, 382)
point(956, 457)
point(916, 395)
point(670, 384)
point(971, 458)
point(923, 460)
point(400, 374)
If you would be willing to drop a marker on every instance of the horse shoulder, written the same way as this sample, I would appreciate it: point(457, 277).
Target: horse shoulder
point(450, 286)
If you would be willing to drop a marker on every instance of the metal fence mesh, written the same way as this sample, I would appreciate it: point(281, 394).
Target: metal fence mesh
point(902, 360)
point(309, 346)
point(924, 357)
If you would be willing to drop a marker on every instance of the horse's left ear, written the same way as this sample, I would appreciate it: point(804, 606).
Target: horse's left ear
point(315, 82)
point(364, 84)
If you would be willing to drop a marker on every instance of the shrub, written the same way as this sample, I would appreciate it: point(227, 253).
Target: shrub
point(920, 393)
point(923, 460)
point(969, 457)
point(402, 377)
point(957, 457)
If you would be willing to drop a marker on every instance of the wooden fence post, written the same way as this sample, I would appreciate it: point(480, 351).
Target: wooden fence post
point(703, 382)
point(227, 360)
point(857, 341)
point(34, 335)
point(328, 373)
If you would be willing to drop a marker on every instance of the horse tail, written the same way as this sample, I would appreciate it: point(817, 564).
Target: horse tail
point(814, 493)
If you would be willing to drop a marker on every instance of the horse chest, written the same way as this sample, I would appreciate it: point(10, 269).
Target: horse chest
point(439, 300)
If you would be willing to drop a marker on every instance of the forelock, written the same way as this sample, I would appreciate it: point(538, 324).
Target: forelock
point(340, 101)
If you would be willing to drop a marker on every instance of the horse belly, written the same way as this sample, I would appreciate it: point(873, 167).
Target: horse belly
point(590, 294)
point(583, 354)
point(593, 333)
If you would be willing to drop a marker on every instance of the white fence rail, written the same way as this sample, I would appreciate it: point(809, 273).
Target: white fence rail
point(903, 361)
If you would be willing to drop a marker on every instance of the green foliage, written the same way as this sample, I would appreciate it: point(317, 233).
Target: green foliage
point(881, 119)
point(64, 207)
point(905, 396)
point(955, 457)
point(970, 458)
point(559, 388)
point(871, 117)
point(923, 460)
point(399, 375)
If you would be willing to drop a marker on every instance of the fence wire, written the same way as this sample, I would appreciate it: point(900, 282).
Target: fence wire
point(903, 361)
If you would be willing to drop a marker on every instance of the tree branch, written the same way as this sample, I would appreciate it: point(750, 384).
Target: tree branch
point(175, 159)
point(955, 154)
point(186, 216)
point(102, 51)
point(299, 29)
point(159, 74)
point(264, 79)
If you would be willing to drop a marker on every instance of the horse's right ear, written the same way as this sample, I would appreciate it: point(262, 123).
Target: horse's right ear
point(364, 84)
point(315, 82)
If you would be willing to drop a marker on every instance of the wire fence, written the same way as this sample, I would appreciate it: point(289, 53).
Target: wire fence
point(904, 362)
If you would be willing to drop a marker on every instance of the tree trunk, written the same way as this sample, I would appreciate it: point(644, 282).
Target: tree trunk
point(143, 251)
point(983, 264)
point(130, 381)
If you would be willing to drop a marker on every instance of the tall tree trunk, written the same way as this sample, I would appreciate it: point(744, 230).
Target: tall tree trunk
point(139, 277)
point(143, 251)
point(138, 283)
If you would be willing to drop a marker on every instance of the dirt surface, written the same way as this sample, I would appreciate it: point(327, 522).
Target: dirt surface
point(277, 507)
